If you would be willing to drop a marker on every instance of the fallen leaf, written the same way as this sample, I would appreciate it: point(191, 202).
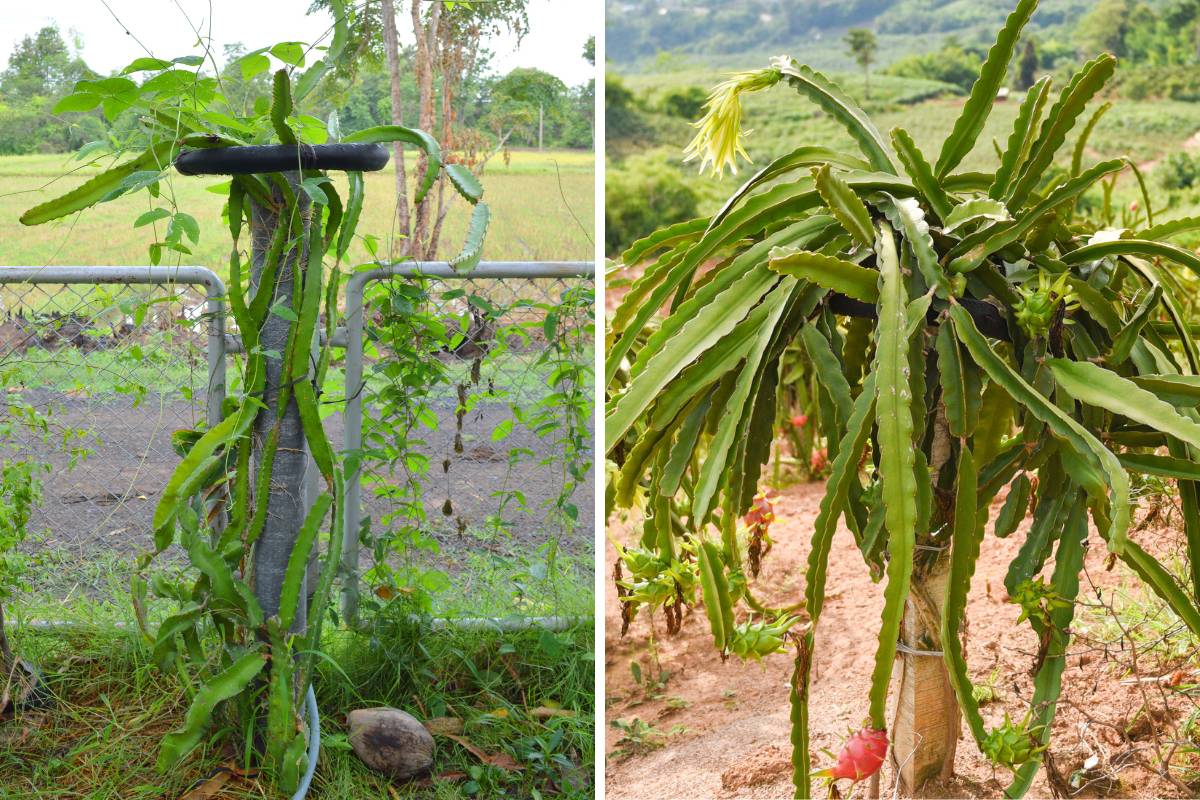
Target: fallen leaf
point(545, 712)
point(501, 760)
point(211, 786)
point(444, 726)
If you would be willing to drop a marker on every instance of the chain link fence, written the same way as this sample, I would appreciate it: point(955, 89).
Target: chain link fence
point(115, 363)
point(475, 395)
point(474, 437)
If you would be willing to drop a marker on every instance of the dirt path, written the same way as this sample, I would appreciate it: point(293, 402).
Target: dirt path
point(734, 741)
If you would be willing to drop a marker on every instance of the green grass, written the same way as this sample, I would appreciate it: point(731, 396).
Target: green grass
point(535, 202)
point(781, 120)
point(111, 706)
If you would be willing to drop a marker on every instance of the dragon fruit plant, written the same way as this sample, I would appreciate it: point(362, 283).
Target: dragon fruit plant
point(970, 332)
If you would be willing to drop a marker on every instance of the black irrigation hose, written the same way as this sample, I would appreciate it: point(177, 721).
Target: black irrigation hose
point(254, 159)
point(987, 317)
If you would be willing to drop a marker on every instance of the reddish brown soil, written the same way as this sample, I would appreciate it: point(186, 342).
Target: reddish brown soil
point(734, 715)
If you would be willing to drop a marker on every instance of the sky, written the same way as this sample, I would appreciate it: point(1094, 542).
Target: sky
point(557, 30)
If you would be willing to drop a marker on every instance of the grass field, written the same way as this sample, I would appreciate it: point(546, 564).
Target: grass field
point(780, 120)
point(543, 207)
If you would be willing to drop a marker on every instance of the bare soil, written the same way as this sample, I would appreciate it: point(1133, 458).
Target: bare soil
point(730, 720)
point(106, 502)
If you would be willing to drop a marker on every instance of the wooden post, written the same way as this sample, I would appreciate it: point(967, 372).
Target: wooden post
point(927, 724)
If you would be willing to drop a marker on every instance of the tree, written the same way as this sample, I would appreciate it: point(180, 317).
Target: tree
point(1027, 67)
point(862, 44)
point(542, 94)
point(589, 50)
point(446, 56)
point(1104, 28)
point(41, 65)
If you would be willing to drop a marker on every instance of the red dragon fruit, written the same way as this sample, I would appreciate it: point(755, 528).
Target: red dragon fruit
point(861, 757)
point(800, 420)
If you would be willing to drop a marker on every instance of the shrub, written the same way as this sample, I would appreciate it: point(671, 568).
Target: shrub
point(1178, 171)
point(970, 331)
point(642, 194)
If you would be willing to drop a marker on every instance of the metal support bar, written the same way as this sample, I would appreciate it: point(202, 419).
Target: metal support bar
point(355, 290)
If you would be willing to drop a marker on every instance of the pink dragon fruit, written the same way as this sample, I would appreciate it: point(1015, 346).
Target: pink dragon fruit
point(861, 757)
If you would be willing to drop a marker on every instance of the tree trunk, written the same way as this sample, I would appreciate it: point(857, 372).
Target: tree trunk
point(392, 48)
point(927, 726)
point(286, 505)
point(426, 36)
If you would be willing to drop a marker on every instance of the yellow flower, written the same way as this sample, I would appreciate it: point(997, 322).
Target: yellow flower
point(719, 141)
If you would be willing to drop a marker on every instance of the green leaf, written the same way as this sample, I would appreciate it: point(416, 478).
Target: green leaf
point(1166, 466)
point(921, 173)
point(297, 566)
point(233, 594)
point(1169, 229)
point(906, 213)
point(78, 102)
point(1130, 334)
point(983, 92)
point(833, 101)
point(472, 249)
point(713, 470)
point(964, 552)
point(954, 385)
point(1081, 142)
point(254, 65)
point(1047, 683)
point(974, 249)
point(99, 188)
point(502, 431)
point(228, 684)
point(1060, 119)
point(829, 272)
point(805, 156)
point(153, 215)
point(146, 64)
point(715, 589)
point(1014, 508)
point(284, 310)
point(384, 134)
point(289, 53)
point(354, 206)
point(315, 189)
point(1178, 390)
point(974, 209)
point(189, 225)
point(845, 205)
point(1084, 445)
point(897, 463)
point(281, 107)
point(465, 182)
point(1021, 140)
point(1092, 384)
point(669, 357)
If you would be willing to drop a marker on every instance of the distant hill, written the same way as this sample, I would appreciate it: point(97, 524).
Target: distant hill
point(642, 34)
